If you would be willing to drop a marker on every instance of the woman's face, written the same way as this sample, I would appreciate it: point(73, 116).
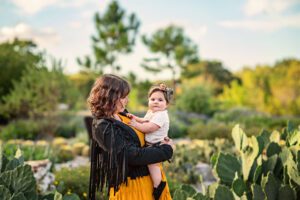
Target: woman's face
point(121, 104)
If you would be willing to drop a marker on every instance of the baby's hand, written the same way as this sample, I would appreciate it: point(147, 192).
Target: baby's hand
point(130, 116)
point(133, 122)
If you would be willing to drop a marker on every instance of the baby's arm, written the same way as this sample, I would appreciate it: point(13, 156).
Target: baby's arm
point(146, 127)
point(136, 118)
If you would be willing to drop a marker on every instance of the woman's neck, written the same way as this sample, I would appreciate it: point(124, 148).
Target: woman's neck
point(116, 116)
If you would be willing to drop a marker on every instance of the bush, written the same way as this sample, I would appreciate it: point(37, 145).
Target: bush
point(197, 99)
point(75, 180)
point(20, 129)
point(65, 124)
point(68, 125)
point(210, 130)
point(252, 120)
point(178, 128)
point(30, 152)
point(41, 150)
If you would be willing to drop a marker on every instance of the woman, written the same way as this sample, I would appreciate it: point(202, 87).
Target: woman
point(118, 160)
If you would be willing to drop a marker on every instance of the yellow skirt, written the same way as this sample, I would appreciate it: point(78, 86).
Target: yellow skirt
point(139, 189)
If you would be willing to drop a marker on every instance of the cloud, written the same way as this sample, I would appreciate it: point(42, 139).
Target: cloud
point(272, 24)
point(45, 37)
point(256, 7)
point(75, 25)
point(32, 7)
point(194, 31)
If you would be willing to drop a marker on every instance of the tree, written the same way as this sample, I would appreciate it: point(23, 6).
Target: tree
point(15, 58)
point(176, 49)
point(211, 73)
point(115, 34)
point(197, 99)
point(271, 89)
point(37, 93)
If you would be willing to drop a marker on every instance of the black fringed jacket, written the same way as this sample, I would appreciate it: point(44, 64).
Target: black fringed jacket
point(116, 154)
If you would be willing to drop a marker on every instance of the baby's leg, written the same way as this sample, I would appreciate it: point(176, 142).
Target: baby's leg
point(155, 174)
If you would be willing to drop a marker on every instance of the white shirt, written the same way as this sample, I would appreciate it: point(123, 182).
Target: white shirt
point(160, 118)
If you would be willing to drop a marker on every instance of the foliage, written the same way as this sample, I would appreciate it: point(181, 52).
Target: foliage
point(177, 50)
point(68, 124)
point(267, 166)
point(189, 193)
point(37, 93)
point(21, 129)
point(197, 99)
point(273, 90)
point(116, 34)
point(209, 130)
point(139, 96)
point(30, 151)
point(75, 180)
point(17, 181)
point(252, 120)
point(65, 124)
point(58, 151)
point(209, 73)
point(187, 155)
point(15, 58)
point(178, 128)
point(83, 81)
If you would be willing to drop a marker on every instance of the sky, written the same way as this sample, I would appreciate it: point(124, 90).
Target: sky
point(238, 33)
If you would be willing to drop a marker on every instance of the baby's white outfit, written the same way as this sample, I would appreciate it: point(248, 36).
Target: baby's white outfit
point(160, 118)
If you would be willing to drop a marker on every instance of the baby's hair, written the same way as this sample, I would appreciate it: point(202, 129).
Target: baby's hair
point(168, 92)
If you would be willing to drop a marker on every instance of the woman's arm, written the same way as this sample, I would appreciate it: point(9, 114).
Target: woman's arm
point(149, 155)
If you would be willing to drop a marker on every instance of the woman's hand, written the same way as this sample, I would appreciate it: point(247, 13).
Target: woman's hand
point(168, 141)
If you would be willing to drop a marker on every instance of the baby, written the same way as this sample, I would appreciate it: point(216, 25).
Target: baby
point(155, 125)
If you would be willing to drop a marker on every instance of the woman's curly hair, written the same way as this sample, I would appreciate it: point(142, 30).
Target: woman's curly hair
point(107, 90)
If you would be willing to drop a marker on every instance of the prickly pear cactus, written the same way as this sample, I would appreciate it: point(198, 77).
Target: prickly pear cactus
point(18, 183)
point(267, 167)
point(187, 192)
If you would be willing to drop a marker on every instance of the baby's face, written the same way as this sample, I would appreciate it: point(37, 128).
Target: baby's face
point(157, 102)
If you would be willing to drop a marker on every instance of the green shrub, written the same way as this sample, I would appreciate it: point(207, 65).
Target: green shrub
point(210, 130)
point(39, 150)
point(252, 120)
point(29, 152)
point(68, 125)
point(197, 99)
point(178, 128)
point(20, 129)
point(75, 180)
point(64, 124)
